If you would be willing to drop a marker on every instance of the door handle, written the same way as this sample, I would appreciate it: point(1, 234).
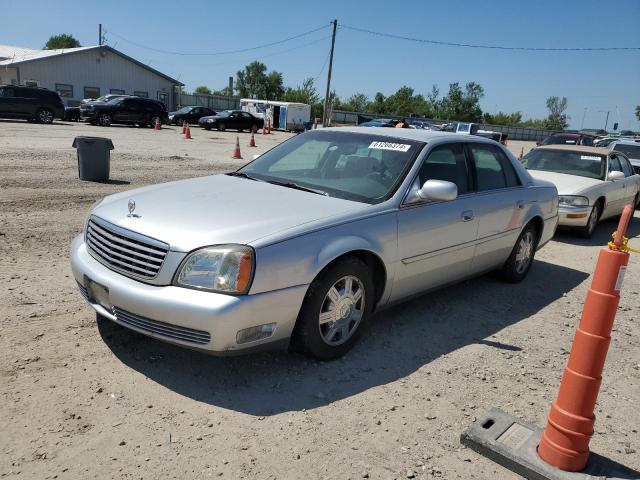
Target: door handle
point(467, 215)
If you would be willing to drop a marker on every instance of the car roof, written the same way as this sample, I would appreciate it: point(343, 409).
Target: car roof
point(625, 142)
point(576, 148)
point(410, 134)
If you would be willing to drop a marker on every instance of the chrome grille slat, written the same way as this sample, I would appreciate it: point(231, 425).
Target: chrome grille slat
point(125, 251)
point(122, 239)
point(175, 332)
point(121, 255)
point(83, 291)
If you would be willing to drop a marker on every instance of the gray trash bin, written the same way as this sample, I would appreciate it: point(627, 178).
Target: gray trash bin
point(94, 154)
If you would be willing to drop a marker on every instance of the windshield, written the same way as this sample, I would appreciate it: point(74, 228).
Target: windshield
point(631, 151)
point(224, 113)
point(185, 110)
point(562, 161)
point(561, 140)
point(353, 166)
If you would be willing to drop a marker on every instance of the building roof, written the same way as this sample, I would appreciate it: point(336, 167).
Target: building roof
point(576, 148)
point(27, 55)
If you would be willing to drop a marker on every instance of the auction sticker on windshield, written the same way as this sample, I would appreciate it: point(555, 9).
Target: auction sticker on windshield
point(589, 157)
point(398, 147)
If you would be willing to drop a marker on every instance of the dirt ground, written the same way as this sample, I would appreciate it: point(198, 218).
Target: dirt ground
point(85, 400)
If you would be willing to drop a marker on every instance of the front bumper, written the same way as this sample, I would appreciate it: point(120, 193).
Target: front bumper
point(185, 316)
point(573, 216)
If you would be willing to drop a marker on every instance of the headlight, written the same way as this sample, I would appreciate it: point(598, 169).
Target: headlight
point(210, 120)
point(222, 268)
point(573, 201)
point(170, 117)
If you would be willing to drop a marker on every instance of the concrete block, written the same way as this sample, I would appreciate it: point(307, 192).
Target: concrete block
point(512, 443)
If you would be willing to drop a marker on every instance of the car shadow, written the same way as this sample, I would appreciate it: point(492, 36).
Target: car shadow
point(21, 120)
point(116, 182)
point(399, 341)
point(603, 232)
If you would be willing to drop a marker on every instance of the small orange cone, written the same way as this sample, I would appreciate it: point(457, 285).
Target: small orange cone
point(264, 128)
point(236, 153)
point(157, 125)
point(252, 142)
point(187, 135)
point(184, 127)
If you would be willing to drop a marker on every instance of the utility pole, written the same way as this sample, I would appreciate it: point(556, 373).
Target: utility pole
point(325, 115)
point(99, 34)
point(606, 122)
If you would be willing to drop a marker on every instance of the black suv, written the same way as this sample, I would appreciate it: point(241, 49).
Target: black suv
point(130, 110)
point(30, 103)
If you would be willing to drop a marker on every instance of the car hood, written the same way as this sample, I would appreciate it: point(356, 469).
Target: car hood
point(566, 184)
point(189, 214)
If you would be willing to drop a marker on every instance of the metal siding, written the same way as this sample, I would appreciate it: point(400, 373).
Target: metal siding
point(94, 68)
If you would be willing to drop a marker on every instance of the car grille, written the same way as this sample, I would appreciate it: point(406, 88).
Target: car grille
point(174, 332)
point(125, 251)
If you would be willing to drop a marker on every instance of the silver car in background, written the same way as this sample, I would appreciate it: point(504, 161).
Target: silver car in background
point(303, 244)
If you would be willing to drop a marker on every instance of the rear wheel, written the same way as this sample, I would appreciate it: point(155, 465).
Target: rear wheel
point(592, 222)
point(337, 305)
point(104, 119)
point(222, 127)
point(44, 115)
point(519, 262)
point(153, 120)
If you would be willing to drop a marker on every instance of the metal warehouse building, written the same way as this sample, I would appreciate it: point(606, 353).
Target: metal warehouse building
point(86, 72)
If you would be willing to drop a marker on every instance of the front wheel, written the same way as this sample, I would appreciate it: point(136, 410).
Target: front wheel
point(596, 211)
point(519, 262)
point(222, 127)
point(153, 120)
point(105, 119)
point(337, 305)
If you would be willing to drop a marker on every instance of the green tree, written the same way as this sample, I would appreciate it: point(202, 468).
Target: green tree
point(557, 119)
point(305, 93)
point(377, 106)
point(202, 89)
point(254, 82)
point(462, 105)
point(63, 40)
point(357, 102)
point(404, 103)
point(225, 92)
point(502, 118)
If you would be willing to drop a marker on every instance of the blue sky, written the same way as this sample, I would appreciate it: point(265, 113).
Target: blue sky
point(593, 82)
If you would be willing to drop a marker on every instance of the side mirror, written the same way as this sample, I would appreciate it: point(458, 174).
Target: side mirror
point(615, 175)
point(438, 190)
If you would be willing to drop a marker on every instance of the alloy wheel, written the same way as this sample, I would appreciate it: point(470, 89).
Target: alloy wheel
point(341, 310)
point(525, 252)
point(45, 116)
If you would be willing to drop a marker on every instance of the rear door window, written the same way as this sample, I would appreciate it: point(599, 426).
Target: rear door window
point(493, 168)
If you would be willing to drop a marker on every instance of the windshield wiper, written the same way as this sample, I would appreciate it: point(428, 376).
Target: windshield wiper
point(243, 175)
point(299, 187)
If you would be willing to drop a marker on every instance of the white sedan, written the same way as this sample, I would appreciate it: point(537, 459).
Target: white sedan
point(593, 183)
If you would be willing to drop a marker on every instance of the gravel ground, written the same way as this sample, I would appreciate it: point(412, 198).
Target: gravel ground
point(86, 400)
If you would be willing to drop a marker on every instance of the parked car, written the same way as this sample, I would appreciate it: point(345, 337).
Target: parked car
point(379, 123)
point(568, 139)
point(310, 238)
point(631, 149)
point(593, 183)
point(190, 114)
point(231, 119)
point(104, 98)
point(30, 103)
point(72, 114)
point(467, 128)
point(128, 110)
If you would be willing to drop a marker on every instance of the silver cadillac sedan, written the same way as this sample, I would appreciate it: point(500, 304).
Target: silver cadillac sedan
point(301, 246)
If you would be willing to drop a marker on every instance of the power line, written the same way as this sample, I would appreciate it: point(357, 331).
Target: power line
point(168, 52)
point(493, 47)
point(323, 65)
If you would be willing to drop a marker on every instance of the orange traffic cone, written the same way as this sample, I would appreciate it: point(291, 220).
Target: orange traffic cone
point(268, 127)
point(264, 128)
point(252, 142)
point(565, 442)
point(236, 153)
point(184, 127)
point(521, 154)
point(157, 125)
point(187, 135)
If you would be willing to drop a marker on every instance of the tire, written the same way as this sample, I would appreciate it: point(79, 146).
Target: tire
point(517, 266)
point(208, 129)
point(254, 128)
point(240, 130)
point(592, 222)
point(636, 202)
point(221, 127)
point(153, 119)
point(104, 120)
point(333, 314)
point(44, 115)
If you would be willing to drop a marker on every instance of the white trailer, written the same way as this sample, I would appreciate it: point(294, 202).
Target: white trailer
point(288, 116)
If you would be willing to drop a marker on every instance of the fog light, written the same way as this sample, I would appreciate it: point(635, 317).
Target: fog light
point(255, 333)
